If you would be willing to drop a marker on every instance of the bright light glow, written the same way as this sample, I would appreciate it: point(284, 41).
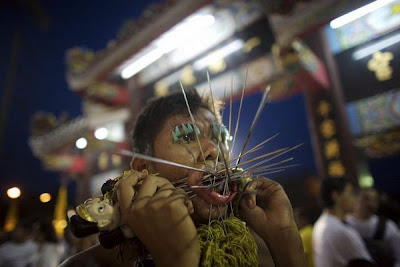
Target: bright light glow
point(177, 36)
point(14, 192)
point(184, 32)
point(45, 197)
point(218, 54)
point(363, 52)
point(116, 132)
point(366, 180)
point(141, 63)
point(358, 13)
point(81, 143)
point(101, 133)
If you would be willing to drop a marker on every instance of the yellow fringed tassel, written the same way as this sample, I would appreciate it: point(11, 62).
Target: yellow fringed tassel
point(236, 248)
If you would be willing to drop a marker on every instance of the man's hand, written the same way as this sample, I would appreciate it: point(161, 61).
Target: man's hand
point(159, 214)
point(266, 209)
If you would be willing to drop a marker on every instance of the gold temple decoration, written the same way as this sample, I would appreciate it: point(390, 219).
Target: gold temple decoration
point(116, 160)
point(187, 76)
point(251, 43)
point(79, 60)
point(395, 8)
point(323, 108)
point(217, 66)
point(336, 169)
point(102, 161)
point(161, 88)
point(332, 149)
point(98, 89)
point(328, 128)
point(379, 63)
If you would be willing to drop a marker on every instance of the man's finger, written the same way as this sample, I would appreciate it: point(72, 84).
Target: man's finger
point(149, 187)
point(164, 191)
point(250, 194)
point(125, 190)
point(186, 199)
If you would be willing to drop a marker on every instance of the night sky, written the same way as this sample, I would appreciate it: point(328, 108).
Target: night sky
point(40, 83)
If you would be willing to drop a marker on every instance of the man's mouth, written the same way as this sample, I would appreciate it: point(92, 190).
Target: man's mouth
point(220, 194)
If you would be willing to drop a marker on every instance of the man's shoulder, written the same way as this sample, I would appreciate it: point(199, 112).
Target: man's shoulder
point(331, 228)
point(328, 223)
point(391, 228)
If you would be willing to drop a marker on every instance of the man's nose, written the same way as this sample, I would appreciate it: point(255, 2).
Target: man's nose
point(210, 150)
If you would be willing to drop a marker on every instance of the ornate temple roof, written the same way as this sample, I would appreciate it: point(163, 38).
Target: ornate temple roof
point(85, 66)
point(288, 20)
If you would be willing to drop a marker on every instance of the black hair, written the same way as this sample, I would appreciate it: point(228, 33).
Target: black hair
point(152, 118)
point(330, 185)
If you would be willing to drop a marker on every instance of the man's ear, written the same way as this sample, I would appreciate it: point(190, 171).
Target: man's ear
point(139, 164)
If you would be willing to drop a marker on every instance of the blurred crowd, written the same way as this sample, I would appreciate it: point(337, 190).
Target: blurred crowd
point(353, 227)
point(35, 244)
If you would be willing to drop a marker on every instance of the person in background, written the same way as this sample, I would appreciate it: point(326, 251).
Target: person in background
point(389, 207)
point(366, 222)
point(305, 229)
point(20, 251)
point(48, 246)
point(336, 244)
point(3, 237)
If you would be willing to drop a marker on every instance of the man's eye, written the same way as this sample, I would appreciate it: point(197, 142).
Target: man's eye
point(189, 137)
point(221, 137)
point(220, 133)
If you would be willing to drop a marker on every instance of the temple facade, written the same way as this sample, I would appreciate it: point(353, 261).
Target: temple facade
point(351, 105)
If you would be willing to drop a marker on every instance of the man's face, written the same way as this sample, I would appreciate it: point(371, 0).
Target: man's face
point(369, 201)
point(177, 142)
point(346, 199)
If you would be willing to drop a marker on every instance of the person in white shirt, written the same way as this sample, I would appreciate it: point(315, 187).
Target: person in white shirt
point(336, 244)
point(20, 251)
point(365, 221)
point(49, 254)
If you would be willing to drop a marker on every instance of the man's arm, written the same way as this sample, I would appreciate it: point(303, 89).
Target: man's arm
point(98, 256)
point(267, 210)
point(285, 246)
